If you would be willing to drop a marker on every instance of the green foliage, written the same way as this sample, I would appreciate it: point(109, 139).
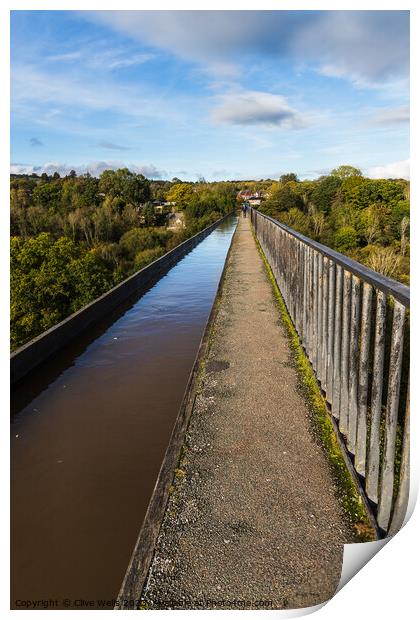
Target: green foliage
point(325, 192)
point(147, 256)
point(210, 202)
point(50, 280)
point(132, 188)
point(282, 198)
point(374, 224)
point(289, 176)
point(398, 212)
point(137, 240)
point(365, 218)
point(360, 193)
point(297, 220)
point(149, 215)
point(346, 239)
point(47, 195)
point(181, 194)
point(77, 236)
point(346, 172)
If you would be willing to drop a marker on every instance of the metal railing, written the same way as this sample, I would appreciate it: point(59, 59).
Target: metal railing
point(352, 323)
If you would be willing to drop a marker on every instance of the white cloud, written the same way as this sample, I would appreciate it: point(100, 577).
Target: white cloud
point(367, 47)
point(250, 107)
point(203, 36)
point(95, 168)
point(394, 170)
point(391, 116)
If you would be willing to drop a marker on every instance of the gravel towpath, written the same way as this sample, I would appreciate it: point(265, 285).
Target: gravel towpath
point(254, 520)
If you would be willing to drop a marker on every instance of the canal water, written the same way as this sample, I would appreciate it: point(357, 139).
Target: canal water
point(89, 432)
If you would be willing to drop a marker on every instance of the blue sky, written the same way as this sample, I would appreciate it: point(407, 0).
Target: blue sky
point(219, 94)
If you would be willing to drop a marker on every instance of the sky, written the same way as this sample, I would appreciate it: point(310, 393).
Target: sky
point(213, 94)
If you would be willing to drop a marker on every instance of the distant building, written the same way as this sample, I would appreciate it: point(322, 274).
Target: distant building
point(246, 194)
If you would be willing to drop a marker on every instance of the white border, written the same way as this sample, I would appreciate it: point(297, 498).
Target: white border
point(386, 586)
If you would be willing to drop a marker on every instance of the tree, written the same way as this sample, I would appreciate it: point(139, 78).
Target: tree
point(361, 193)
point(48, 196)
point(346, 239)
point(74, 219)
point(106, 222)
point(384, 260)
point(346, 172)
point(399, 211)
point(296, 219)
point(145, 257)
point(404, 228)
point(318, 220)
point(20, 200)
point(325, 193)
point(374, 224)
point(50, 279)
point(282, 198)
point(136, 240)
point(149, 215)
point(181, 194)
point(130, 187)
point(289, 176)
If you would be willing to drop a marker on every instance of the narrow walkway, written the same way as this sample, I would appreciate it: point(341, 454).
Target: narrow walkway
point(254, 520)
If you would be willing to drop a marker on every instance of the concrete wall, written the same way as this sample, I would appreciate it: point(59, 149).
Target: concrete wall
point(30, 355)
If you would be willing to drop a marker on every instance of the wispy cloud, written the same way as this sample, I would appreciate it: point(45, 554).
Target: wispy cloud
point(121, 60)
point(106, 59)
point(65, 57)
point(33, 88)
point(391, 116)
point(113, 147)
point(35, 142)
point(249, 107)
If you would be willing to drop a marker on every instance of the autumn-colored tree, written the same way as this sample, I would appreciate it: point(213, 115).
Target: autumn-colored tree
point(181, 194)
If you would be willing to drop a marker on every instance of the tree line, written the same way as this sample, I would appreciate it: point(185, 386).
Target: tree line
point(73, 238)
point(366, 219)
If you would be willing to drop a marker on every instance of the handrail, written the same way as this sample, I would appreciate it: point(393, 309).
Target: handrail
point(387, 285)
point(359, 354)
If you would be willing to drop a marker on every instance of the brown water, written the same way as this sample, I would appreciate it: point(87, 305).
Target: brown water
point(89, 434)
